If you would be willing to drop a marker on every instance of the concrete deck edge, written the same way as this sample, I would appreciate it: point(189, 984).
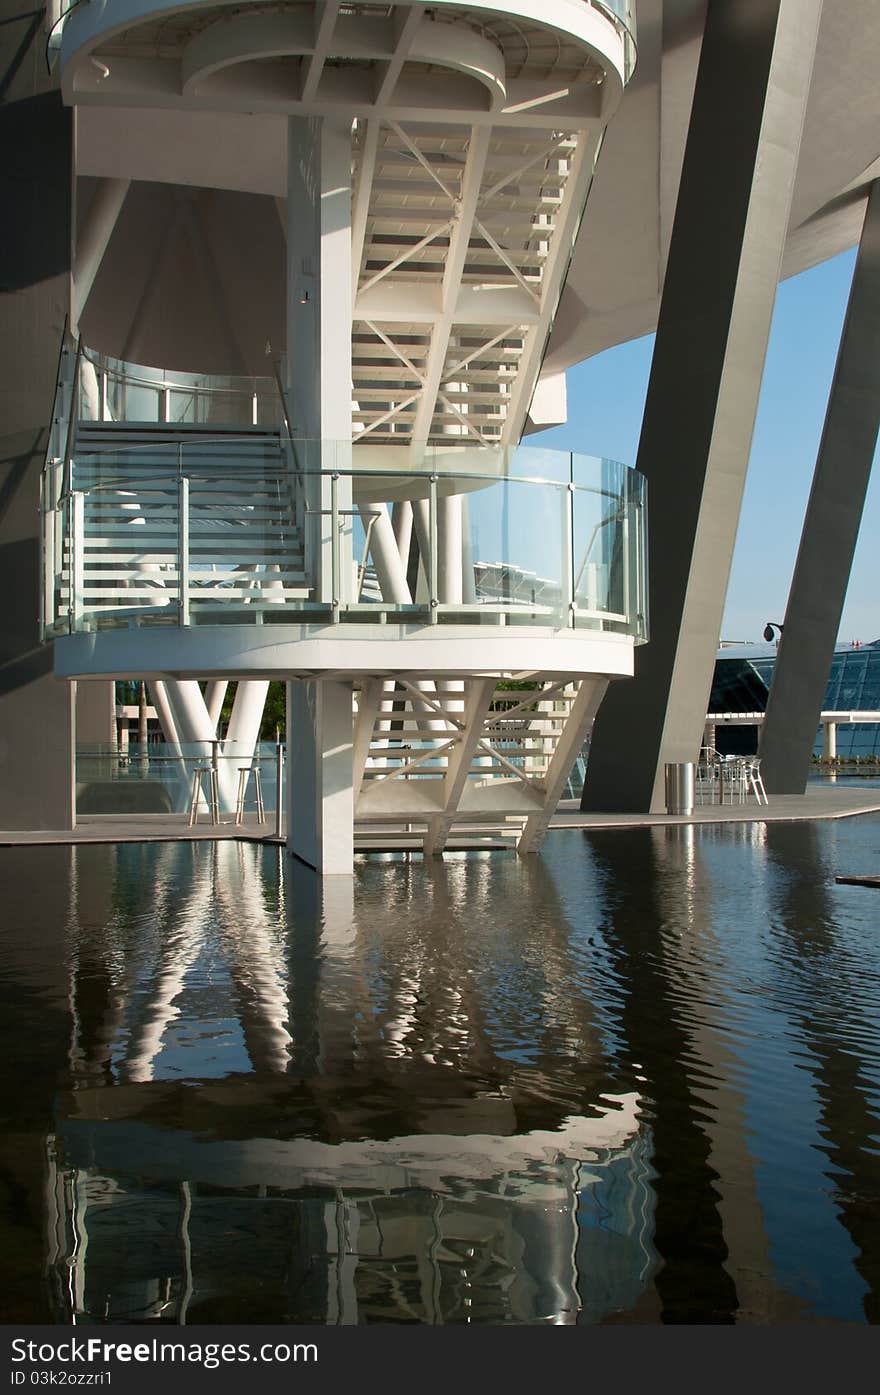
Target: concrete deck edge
point(92, 829)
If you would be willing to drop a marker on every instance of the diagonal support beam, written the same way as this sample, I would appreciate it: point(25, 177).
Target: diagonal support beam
point(323, 38)
point(405, 30)
point(481, 691)
point(369, 704)
point(462, 229)
point(574, 198)
point(405, 256)
point(574, 734)
point(360, 203)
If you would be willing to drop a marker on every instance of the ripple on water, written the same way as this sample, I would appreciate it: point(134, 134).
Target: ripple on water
point(636, 1078)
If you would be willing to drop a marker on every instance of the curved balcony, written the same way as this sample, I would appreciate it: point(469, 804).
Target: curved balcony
point(248, 528)
point(77, 30)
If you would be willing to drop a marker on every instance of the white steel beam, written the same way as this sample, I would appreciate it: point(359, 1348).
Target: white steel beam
point(580, 720)
point(369, 703)
point(479, 697)
point(568, 221)
point(360, 204)
point(325, 26)
point(478, 150)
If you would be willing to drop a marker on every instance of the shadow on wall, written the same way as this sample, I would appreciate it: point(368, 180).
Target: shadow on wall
point(35, 135)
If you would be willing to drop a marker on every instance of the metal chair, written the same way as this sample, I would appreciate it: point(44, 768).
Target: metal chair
point(212, 799)
point(708, 775)
point(754, 779)
point(244, 772)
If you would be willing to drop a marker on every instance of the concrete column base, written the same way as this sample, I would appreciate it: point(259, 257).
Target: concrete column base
point(320, 795)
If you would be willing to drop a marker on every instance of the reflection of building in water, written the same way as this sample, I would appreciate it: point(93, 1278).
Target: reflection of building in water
point(373, 1153)
point(425, 1228)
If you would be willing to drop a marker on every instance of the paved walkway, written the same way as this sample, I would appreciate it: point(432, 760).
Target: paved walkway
point(820, 802)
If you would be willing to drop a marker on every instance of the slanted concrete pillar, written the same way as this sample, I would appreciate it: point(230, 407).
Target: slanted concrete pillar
point(831, 527)
point(320, 801)
point(94, 236)
point(724, 259)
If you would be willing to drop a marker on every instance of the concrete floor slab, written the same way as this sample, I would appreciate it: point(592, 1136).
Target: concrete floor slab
point(819, 802)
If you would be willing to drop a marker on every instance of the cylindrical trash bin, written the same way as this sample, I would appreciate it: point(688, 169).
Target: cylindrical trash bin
point(680, 787)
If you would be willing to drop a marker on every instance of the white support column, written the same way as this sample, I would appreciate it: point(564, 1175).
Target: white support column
point(158, 691)
point(468, 581)
point(829, 740)
point(572, 738)
point(390, 565)
point(159, 697)
point(215, 693)
point(246, 716)
point(449, 549)
point(320, 817)
point(189, 713)
point(319, 328)
point(402, 523)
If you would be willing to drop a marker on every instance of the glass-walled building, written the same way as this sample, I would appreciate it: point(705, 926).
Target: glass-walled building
point(742, 682)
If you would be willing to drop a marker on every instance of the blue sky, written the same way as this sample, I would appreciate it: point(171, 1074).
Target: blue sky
point(606, 397)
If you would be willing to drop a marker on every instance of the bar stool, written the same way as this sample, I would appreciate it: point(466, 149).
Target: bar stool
point(244, 771)
point(212, 799)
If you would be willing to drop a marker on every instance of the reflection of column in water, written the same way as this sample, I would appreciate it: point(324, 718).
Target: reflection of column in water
point(689, 918)
point(826, 975)
point(256, 955)
point(182, 936)
point(98, 983)
point(657, 1023)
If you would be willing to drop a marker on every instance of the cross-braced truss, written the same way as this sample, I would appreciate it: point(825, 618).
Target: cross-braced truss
point(461, 239)
point(429, 753)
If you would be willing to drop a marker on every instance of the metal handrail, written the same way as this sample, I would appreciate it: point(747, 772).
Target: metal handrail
point(217, 472)
point(128, 373)
point(71, 418)
point(55, 35)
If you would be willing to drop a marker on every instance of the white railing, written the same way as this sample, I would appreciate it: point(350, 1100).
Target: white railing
point(172, 544)
point(190, 541)
point(112, 390)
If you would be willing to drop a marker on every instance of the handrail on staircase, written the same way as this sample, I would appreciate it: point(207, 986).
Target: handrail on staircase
point(71, 418)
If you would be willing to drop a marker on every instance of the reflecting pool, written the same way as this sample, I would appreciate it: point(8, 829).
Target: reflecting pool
point(636, 1079)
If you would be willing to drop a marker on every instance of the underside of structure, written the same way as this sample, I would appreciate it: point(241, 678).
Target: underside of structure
point(352, 514)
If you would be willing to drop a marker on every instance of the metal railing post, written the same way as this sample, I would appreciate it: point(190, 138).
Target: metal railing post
point(642, 617)
point(334, 544)
point(44, 559)
point(72, 413)
point(183, 547)
point(628, 608)
point(432, 547)
point(567, 560)
point(279, 788)
point(77, 550)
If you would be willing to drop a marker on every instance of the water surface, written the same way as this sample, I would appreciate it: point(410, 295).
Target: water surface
point(636, 1079)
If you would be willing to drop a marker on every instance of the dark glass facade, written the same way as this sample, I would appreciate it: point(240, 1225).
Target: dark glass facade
point(741, 684)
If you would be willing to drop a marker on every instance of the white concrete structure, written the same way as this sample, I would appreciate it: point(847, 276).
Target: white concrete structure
point(371, 533)
point(390, 199)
